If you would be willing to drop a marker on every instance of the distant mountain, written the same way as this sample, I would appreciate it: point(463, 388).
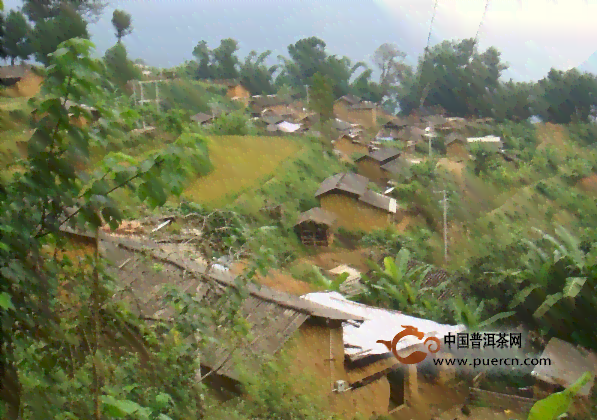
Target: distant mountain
point(590, 64)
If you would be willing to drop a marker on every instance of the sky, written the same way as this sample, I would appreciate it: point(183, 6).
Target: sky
point(533, 35)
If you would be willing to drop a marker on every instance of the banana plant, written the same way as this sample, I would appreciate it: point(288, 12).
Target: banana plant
point(540, 263)
point(332, 285)
point(558, 404)
point(470, 314)
point(398, 285)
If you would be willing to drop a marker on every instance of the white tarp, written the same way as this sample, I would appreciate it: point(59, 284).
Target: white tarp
point(288, 127)
point(379, 324)
point(486, 139)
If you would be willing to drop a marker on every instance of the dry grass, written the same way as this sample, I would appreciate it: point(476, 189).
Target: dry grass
point(240, 162)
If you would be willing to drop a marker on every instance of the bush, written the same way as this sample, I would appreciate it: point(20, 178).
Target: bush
point(233, 124)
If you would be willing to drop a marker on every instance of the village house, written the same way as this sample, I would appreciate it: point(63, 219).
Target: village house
point(353, 109)
point(391, 129)
point(314, 227)
point(348, 197)
point(411, 136)
point(369, 362)
point(309, 334)
point(20, 81)
point(493, 142)
point(349, 145)
point(235, 91)
point(275, 103)
point(456, 146)
point(343, 127)
point(397, 168)
point(203, 119)
point(370, 165)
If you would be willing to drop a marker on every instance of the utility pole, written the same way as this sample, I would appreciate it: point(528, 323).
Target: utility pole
point(307, 86)
point(445, 202)
point(429, 135)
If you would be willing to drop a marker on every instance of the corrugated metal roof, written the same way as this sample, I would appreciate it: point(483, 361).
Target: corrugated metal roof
point(273, 119)
point(380, 201)
point(274, 316)
point(486, 139)
point(317, 215)
point(382, 154)
point(380, 324)
point(397, 166)
point(568, 363)
point(452, 137)
point(288, 127)
point(351, 99)
point(201, 117)
point(348, 182)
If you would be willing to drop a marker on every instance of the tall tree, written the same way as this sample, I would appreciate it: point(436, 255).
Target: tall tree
point(16, 37)
point(225, 59)
point(3, 52)
point(203, 56)
point(65, 23)
point(321, 98)
point(122, 22)
point(256, 76)
point(119, 68)
point(307, 57)
point(40, 10)
point(390, 61)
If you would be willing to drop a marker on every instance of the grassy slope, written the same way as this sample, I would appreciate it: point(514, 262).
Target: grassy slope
point(240, 162)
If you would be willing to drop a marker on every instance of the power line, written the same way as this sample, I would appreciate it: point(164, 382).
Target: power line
point(481, 23)
point(423, 94)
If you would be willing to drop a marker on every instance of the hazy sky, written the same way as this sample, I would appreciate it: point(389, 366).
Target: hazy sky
point(533, 35)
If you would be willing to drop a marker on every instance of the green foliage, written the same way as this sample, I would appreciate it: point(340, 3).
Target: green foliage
point(557, 404)
point(52, 344)
point(62, 24)
point(232, 124)
point(321, 98)
point(119, 68)
point(122, 22)
point(332, 285)
point(15, 42)
point(399, 287)
point(388, 239)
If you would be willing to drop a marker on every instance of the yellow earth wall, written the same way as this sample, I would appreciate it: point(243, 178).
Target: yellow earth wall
point(352, 214)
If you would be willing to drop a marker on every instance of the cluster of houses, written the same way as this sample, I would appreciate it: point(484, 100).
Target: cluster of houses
point(323, 334)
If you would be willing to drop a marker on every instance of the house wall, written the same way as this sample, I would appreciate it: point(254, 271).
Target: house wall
point(346, 146)
point(28, 86)
point(310, 349)
point(240, 92)
point(352, 214)
point(366, 117)
point(372, 170)
point(457, 150)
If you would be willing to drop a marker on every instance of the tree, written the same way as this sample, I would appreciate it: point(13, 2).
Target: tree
point(225, 60)
point(321, 99)
point(256, 76)
point(122, 23)
point(204, 57)
point(16, 36)
point(390, 61)
point(65, 23)
point(307, 57)
point(56, 176)
point(40, 10)
point(3, 52)
point(119, 68)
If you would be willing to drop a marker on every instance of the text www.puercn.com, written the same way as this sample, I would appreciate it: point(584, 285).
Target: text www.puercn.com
point(477, 362)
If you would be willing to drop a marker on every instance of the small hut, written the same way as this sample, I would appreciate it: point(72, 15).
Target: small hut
point(314, 227)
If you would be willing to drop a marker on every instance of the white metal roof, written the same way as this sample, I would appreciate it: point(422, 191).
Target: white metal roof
point(288, 127)
point(379, 324)
point(486, 139)
point(393, 205)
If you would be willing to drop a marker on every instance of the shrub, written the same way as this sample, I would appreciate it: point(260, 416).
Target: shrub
point(233, 124)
